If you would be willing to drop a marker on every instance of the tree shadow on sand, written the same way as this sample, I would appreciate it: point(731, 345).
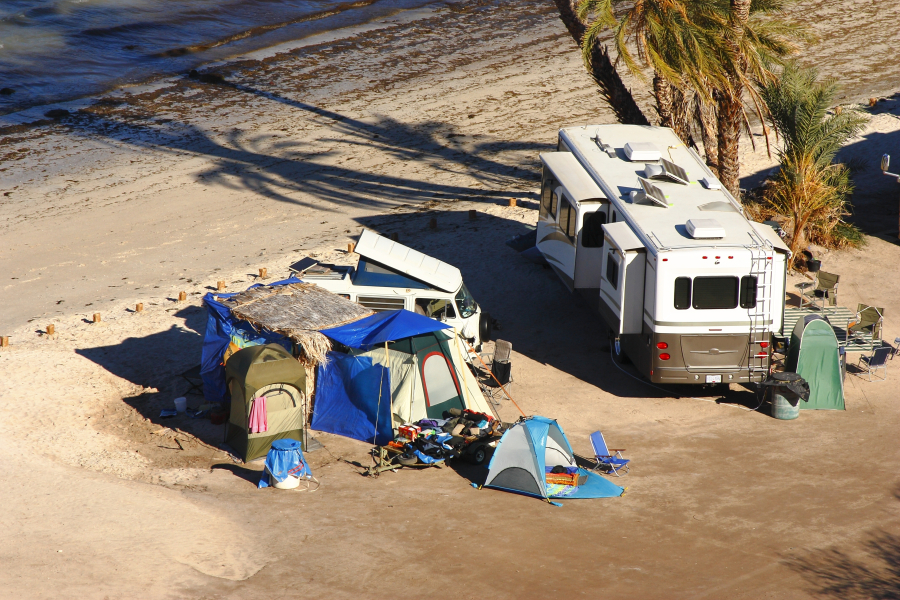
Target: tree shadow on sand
point(872, 574)
point(280, 169)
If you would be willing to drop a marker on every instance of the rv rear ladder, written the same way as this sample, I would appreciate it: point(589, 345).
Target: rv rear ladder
point(762, 257)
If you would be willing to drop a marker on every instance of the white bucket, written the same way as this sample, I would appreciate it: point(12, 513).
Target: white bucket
point(181, 404)
point(289, 483)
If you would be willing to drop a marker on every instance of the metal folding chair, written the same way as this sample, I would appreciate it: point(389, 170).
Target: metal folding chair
point(878, 360)
point(608, 459)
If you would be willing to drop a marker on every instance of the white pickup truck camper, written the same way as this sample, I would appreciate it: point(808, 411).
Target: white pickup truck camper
point(390, 276)
point(635, 222)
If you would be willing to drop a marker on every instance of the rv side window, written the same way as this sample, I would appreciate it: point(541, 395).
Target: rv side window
point(612, 270)
point(554, 202)
point(546, 193)
point(682, 293)
point(592, 229)
point(748, 291)
point(567, 218)
point(715, 292)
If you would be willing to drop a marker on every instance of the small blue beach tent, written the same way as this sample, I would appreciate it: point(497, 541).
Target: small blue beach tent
point(528, 450)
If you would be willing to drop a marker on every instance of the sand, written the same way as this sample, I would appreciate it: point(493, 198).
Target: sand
point(178, 185)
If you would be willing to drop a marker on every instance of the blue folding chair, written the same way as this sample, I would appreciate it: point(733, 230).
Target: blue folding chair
point(606, 461)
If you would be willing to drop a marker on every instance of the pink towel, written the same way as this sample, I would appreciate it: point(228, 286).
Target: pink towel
point(259, 421)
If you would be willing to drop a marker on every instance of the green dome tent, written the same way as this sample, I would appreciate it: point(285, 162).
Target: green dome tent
point(813, 354)
point(268, 371)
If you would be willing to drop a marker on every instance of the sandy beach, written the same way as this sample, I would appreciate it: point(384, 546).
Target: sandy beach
point(146, 192)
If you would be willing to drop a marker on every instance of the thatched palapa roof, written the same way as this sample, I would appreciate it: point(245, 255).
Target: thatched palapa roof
point(297, 311)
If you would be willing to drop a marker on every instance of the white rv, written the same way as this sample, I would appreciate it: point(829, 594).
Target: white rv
point(391, 276)
point(635, 222)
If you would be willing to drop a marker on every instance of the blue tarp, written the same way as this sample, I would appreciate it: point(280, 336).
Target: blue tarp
point(221, 329)
point(353, 398)
point(387, 326)
point(285, 458)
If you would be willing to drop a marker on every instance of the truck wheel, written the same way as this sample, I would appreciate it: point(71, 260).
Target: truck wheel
point(478, 454)
point(485, 327)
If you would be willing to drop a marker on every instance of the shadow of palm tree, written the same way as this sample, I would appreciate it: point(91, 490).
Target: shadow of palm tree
point(281, 169)
point(873, 574)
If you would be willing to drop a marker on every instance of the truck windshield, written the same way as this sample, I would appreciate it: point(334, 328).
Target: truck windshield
point(465, 302)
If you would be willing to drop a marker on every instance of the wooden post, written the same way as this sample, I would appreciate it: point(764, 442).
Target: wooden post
point(51, 329)
point(472, 214)
point(96, 317)
point(512, 202)
point(139, 307)
point(4, 341)
point(350, 247)
point(263, 273)
point(182, 296)
point(395, 237)
point(432, 224)
point(873, 101)
point(220, 285)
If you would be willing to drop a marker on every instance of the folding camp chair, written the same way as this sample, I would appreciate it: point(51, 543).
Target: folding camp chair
point(825, 287)
point(866, 325)
point(611, 463)
point(878, 360)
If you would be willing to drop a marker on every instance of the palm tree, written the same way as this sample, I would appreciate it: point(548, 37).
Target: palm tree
point(810, 189)
point(755, 36)
point(702, 52)
point(604, 73)
point(668, 40)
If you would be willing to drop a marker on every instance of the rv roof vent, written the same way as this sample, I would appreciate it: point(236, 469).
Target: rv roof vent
point(642, 152)
point(705, 229)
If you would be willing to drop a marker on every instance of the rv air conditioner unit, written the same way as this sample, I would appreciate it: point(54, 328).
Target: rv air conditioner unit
point(705, 229)
point(642, 152)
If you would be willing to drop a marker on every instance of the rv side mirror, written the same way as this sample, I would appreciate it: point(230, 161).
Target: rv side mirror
point(885, 162)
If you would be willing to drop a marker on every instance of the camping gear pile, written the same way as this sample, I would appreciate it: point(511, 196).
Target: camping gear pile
point(465, 433)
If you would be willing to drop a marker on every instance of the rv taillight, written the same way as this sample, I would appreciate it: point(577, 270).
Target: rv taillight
point(664, 356)
point(730, 257)
point(704, 258)
point(662, 345)
point(761, 354)
point(718, 257)
point(764, 344)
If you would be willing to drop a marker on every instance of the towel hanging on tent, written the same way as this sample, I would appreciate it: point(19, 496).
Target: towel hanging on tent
point(259, 420)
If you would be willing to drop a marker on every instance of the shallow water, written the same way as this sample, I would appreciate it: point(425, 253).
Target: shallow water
point(53, 50)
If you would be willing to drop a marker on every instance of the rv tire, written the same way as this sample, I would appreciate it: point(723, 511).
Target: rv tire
point(485, 327)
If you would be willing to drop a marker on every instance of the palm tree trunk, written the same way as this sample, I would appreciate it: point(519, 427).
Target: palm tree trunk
point(730, 103)
point(705, 116)
point(604, 73)
point(729, 135)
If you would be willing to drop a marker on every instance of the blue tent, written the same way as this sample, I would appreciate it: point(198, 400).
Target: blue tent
point(387, 326)
point(529, 450)
point(353, 399)
point(222, 329)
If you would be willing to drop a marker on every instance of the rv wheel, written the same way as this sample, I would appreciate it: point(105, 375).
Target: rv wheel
point(485, 327)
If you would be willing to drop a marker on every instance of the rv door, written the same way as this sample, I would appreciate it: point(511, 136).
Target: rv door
point(622, 280)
